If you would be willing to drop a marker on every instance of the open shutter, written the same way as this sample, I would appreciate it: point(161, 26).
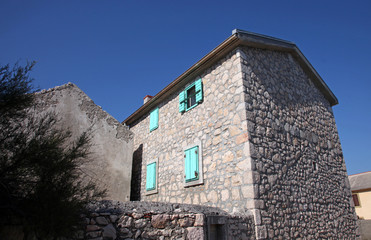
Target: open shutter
point(198, 88)
point(182, 102)
point(151, 176)
point(191, 164)
point(153, 120)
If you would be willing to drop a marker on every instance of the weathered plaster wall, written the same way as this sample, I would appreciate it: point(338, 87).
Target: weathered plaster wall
point(219, 123)
point(300, 177)
point(112, 143)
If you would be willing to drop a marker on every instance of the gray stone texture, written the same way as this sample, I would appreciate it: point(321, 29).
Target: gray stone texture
point(110, 163)
point(270, 146)
point(299, 170)
point(220, 124)
point(153, 220)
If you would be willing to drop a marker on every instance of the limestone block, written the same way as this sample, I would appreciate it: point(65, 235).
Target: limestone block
point(236, 194)
point(186, 222)
point(225, 195)
point(195, 233)
point(212, 196)
point(242, 138)
point(125, 221)
point(113, 218)
point(91, 228)
point(160, 221)
point(101, 220)
point(199, 220)
point(109, 232)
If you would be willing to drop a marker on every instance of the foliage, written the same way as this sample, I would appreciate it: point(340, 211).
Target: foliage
point(40, 166)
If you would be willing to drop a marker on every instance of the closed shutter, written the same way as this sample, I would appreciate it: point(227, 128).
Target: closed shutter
point(153, 120)
point(191, 164)
point(199, 93)
point(182, 101)
point(151, 176)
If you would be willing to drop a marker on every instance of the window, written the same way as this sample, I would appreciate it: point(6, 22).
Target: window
point(191, 96)
point(315, 166)
point(151, 177)
point(217, 227)
point(355, 200)
point(153, 120)
point(193, 165)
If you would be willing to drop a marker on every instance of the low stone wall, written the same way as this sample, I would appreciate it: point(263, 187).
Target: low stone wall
point(151, 220)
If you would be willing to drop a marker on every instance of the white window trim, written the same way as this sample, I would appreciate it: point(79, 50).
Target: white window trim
point(200, 179)
point(150, 192)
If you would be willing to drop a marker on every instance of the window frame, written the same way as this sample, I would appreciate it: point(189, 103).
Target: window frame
point(200, 179)
point(155, 190)
point(151, 115)
point(354, 203)
point(187, 98)
point(184, 97)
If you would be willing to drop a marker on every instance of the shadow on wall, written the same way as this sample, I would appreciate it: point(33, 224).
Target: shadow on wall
point(136, 174)
point(296, 148)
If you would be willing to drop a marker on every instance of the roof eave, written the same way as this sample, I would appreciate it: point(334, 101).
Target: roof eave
point(238, 37)
point(226, 46)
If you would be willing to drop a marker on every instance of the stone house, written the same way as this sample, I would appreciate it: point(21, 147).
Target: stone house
point(249, 128)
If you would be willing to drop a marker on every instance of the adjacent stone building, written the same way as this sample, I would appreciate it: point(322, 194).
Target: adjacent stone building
point(248, 128)
point(110, 160)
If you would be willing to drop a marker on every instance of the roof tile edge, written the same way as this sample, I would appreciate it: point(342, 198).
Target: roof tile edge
point(238, 37)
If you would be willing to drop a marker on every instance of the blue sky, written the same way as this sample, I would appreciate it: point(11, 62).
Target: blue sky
point(120, 51)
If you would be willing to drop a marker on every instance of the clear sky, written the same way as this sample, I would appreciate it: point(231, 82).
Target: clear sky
point(119, 51)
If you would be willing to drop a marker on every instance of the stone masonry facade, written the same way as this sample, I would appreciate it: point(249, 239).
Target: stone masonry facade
point(220, 124)
point(299, 172)
point(270, 148)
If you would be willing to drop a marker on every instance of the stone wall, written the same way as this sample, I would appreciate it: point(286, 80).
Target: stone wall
point(146, 220)
point(270, 146)
point(110, 160)
point(300, 177)
point(219, 123)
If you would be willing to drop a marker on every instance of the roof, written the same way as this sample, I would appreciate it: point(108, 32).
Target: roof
point(360, 181)
point(238, 38)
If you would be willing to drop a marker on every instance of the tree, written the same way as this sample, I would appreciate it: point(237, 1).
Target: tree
point(41, 187)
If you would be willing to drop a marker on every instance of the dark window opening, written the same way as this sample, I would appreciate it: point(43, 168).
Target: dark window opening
point(355, 200)
point(191, 97)
point(216, 232)
point(315, 166)
point(217, 228)
point(136, 174)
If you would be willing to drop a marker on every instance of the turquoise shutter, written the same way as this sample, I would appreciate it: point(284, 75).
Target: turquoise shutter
point(182, 102)
point(153, 120)
point(191, 164)
point(151, 176)
point(198, 88)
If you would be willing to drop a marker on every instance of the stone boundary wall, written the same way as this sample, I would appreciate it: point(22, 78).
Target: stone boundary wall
point(153, 220)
